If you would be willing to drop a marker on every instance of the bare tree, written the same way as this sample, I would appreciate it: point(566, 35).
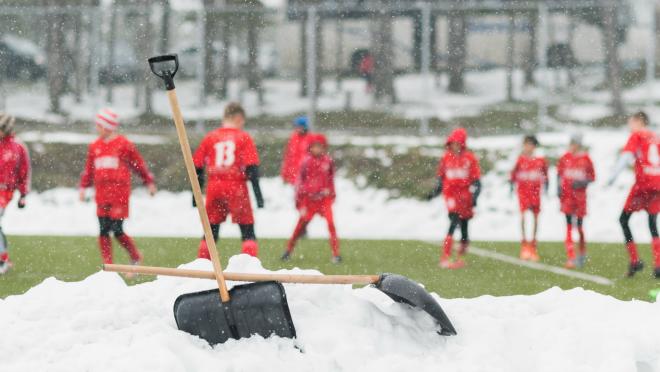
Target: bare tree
point(510, 51)
point(609, 16)
point(56, 22)
point(383, 55)
point(530, 57)
point(457, 50)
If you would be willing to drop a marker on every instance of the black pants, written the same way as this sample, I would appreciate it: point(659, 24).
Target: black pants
point(455, 221)
point(108, 225)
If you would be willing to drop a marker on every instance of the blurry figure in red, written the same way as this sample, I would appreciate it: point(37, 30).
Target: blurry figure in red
point(459, 180)
point(14, 175)
point(366, 69)
point(110, 160)
point(315, 193)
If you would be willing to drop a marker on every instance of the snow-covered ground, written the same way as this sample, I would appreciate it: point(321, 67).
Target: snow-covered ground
point(101, 324)
point(364, 212)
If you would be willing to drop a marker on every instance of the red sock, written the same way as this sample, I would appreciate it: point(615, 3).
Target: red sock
point(570, 249)
point(297, 232)
point(656, 251)
point(130, 247)
point(105, 244)
point(4, 256)
point(583, 243)
point(449, 241)
point(334, 241)
point(250, 247)
point(632, 251)
point(203, 250)
point(569, 233)
point(464, 247)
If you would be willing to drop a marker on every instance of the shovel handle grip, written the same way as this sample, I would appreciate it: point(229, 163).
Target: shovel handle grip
point(245, 277)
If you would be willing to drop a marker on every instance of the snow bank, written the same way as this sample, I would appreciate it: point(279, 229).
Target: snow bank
point(100, 324)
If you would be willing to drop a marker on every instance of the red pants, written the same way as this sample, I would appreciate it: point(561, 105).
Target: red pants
point(640, 199)
point(529, 200)
point(229, 198)
point(574, 203)
point(310, 208)
point(112, 200)
point(459, 201)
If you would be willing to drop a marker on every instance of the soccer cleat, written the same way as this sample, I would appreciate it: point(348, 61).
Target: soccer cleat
point(524, 250)
point(533, 253)
point(634, 268)
point(570, 264)
point(286, 256)
point(458, 264)
point(581, 261)
point(336, 259)
point(5, 266)
point(445, 263)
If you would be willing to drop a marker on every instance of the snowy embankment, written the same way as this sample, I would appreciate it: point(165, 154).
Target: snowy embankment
point(364, 212)
point(100, 324)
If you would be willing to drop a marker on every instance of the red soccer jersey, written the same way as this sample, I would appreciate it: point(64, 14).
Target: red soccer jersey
point(316, 179)
point(226, 153)
point(110, 162)
point(458, 171)
point(295, 152)
point(575, 167)
point(14, 166)
point(530, 173)
point(645, 147)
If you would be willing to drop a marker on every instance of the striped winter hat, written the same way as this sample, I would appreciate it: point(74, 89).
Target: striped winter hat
point(6, 123)
point(107, 119)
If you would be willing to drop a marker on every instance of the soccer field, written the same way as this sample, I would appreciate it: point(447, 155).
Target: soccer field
point(74, 258)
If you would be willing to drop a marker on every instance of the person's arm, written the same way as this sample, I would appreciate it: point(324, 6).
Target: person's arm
point(625, 160)
point(591, 176)
point(437, 189)
point(138, 165)
point(86, 177)
point(476, 191)
point(546, 179)
point(332, 179)
point(199, 159)
point(252, 173)
point(24, 176)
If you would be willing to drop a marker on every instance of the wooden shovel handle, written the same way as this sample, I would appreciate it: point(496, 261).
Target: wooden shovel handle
point(197, 193)
point(245, 277)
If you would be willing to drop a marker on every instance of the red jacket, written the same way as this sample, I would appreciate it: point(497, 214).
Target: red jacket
point(316, 179)
point(530, 173)
point(294, 153)
point(110, 163)
point(14, 165)
point(574, 167)
point(458, 171)
point(645, 147)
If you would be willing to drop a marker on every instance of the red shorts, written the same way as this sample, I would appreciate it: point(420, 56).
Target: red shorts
point(225, 198)
point(645, 199)
point(112, 201)
point(529, 200)
point(574, 203)
point(310, 208)
point(459, 202)
point(5, 198)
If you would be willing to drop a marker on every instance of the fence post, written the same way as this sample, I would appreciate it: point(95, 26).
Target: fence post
point(426, 67)
point(542, 46)
point(311, 65)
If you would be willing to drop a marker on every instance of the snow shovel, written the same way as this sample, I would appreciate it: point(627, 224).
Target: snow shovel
point(397, 287)
point(218, 315)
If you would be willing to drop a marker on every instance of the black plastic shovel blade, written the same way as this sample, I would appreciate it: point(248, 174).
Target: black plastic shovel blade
point(405, 290)
point(254, 309)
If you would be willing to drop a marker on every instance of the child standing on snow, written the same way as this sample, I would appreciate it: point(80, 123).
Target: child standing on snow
point(110, 160)
point(14, 175)
point(529, 175)
point(315, 193)
point(575, 171)
point(458, 179)
point(295, 151)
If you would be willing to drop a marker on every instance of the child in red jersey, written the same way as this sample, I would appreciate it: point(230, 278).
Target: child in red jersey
point(315, 192)
point(458, 179)
point(295, 151)
point(229, 156)
point(14, 175)
point(110, 160)
point(529, 175)
point(575, 171)
point(642, 150)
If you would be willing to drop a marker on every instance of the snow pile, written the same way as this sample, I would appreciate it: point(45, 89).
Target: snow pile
point(100, 324)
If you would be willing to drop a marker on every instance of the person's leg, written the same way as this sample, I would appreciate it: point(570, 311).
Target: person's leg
point(582, 240)
point(125, 240)
point(624, 220)
point(203, 249)
point(653, 228)
point(217, 210)
point(454, 221)
point(301, 225)
point(105, 243)
point(4, 248)
point(330, 219)
point(249, 245)
point(465, 237)
point(568, 242)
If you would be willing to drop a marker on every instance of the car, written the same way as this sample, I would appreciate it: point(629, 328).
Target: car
point(21, 59)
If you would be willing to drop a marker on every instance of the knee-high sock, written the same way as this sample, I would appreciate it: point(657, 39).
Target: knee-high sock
point(130, 247)
point(334, 241)
point(105, 245)
point(583, 242)
point(203, 250)
point(632, 251)
point(447, 246)
point(297, 232)
point(656, 251)
point(568, 242)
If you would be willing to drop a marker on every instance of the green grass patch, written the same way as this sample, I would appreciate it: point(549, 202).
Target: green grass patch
point(74, 258)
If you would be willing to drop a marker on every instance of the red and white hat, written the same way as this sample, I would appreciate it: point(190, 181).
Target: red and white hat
point(107, 119)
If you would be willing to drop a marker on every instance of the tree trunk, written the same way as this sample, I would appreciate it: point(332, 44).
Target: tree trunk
point(612, 57)
point(55, 52)
point(111, 52)
point(78, 56)
point(530, 58)
point(318, 49)
point(224, 60)
point(383, 55)
point(510, 45)
point(303, 56)
point(253, 72)
point(164, 36)
point(457, 51)
point(418, 30)
point(210, 20)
